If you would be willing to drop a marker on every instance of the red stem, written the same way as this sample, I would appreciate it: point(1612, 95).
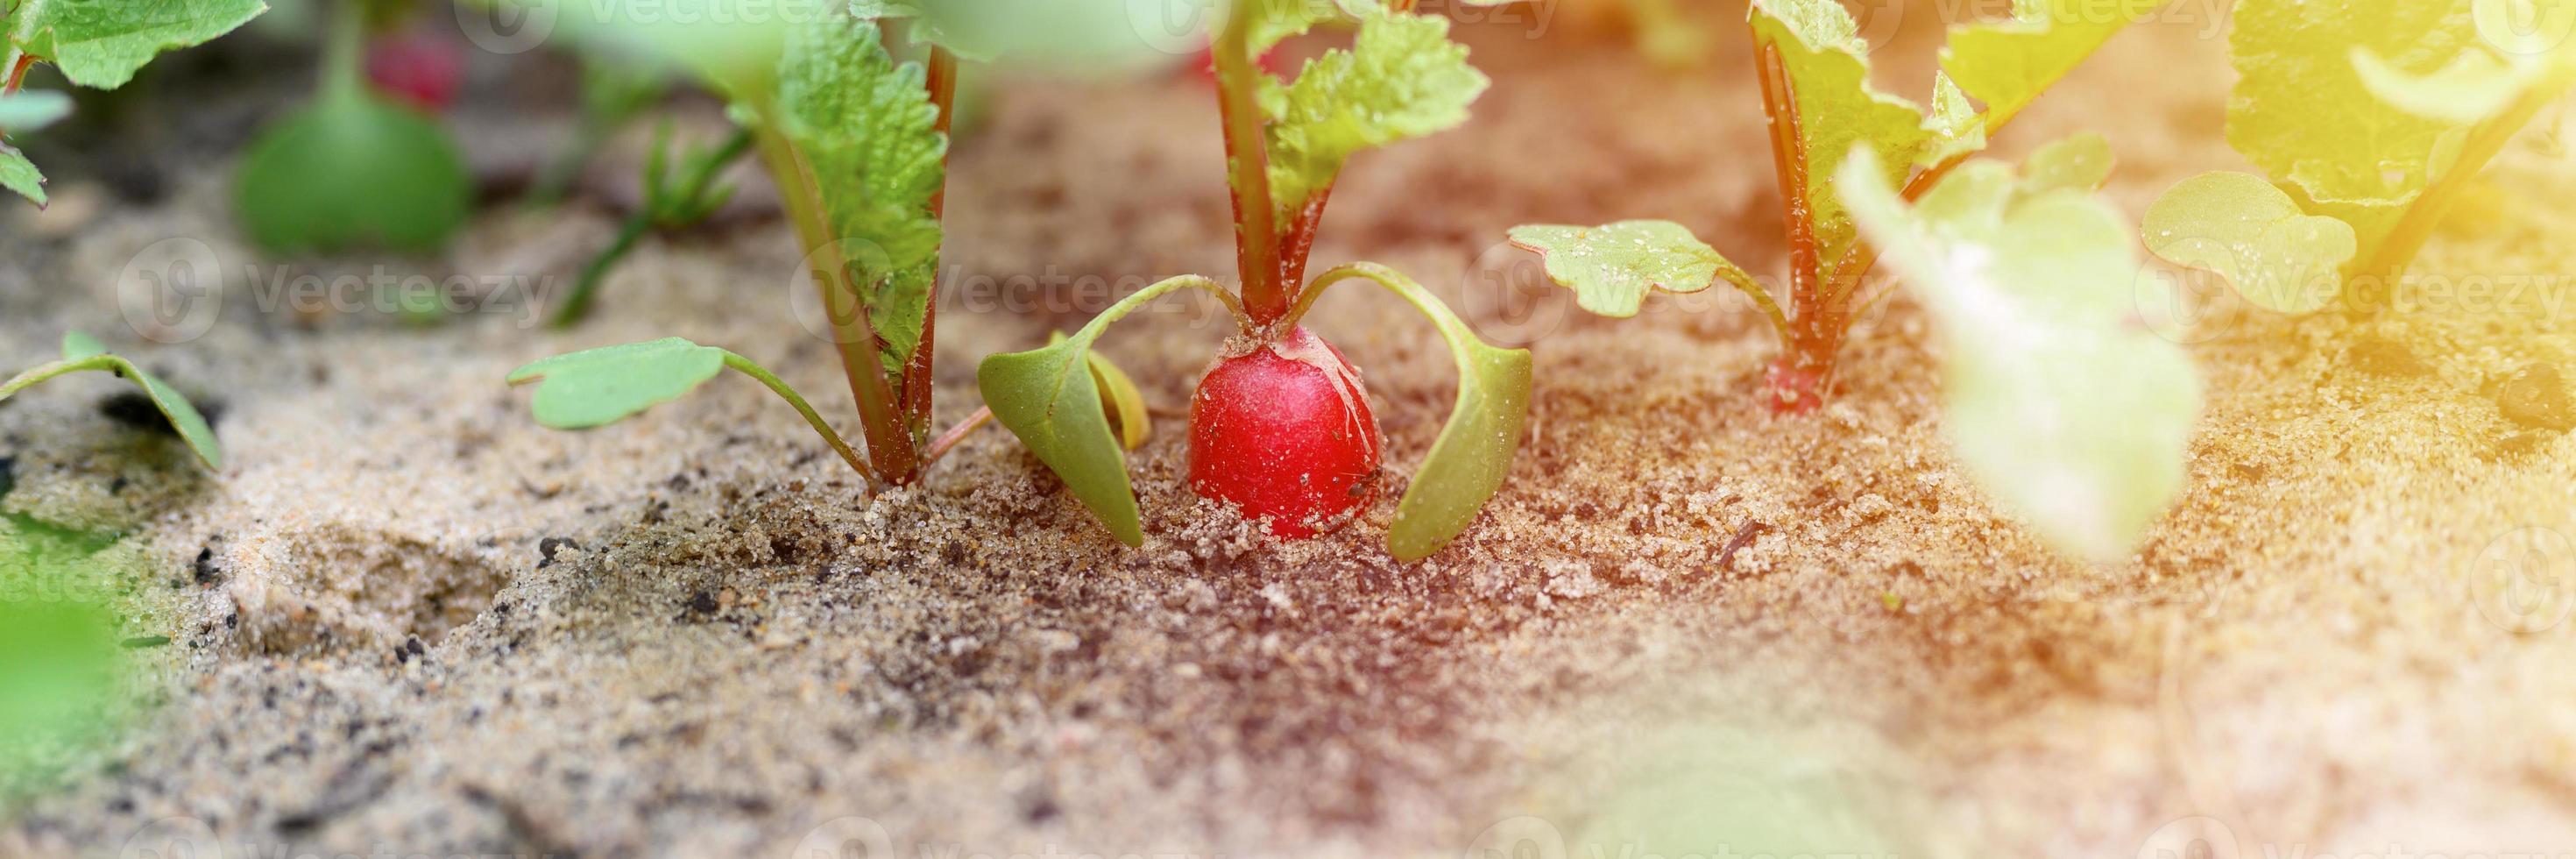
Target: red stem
point(1299, 243)
point(1799, 378)
point(1256, 233)
point(917, 378)
point(18, 73)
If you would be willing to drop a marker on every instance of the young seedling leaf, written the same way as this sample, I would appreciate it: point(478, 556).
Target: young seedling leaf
point(101, 43)
point(1820, 52)
point(82, 352)
point(354, 171)
point(2241, 228)
point(869, 128)
point(2008, 64)
point(732, 45)
point(597, 387)
point(1473, 454)
point(20, 175)
point(1612, 267)
point(1125, 407)
point(28, 110)
point(2072, 418)
point(1402, 79)
point(1077, 36)
point(1050, 399)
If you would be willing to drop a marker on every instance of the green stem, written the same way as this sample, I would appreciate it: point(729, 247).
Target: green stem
point(821, 426)
point(890, 445)
point(1099, 324)
point(2407, 239)
point(585, 290)
point(343, 74)
point(38, 374)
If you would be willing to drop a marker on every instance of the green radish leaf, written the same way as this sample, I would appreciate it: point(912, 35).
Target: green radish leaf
point(28, 110)
point(2241, 228)
point(598, 387)
point(1126, 404)
point(1838, 112)
point(2296, 76)
point(1956, 130)
point(20, 175)
point(1079, 36)
point(1612, 267)
point(101, 43)
point(871, 132)
point(2008, 64)
point(353, 171)
point(2071, 417)
point(82, 353)
point(2473, 88)
point(1473, 454)
point(1402, 79)
point(1050, 399)
point(2080, 163)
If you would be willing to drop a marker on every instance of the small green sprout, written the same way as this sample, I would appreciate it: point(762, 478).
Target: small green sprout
point(82, 352)
point(671, 200)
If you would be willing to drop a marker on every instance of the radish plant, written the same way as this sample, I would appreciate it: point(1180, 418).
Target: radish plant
point(83, 353)
point(355, 168)
point(857, 144)
point(1815, 88)
point(94, 44)
point(2421, 97)
point(1280, 428)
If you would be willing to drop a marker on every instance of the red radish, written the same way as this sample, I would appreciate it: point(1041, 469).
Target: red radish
point(417, 68)
point(1285, 433)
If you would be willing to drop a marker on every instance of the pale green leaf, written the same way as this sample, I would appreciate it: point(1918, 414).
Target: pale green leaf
point(869, 129)
point(1836, 110)
point(20, 175)
point(731, 44)
point(1402, 79)
point(2473, 88)
point(2079, 163)
point(2070, 417)
point(2008, 64)
point(28, 110)
point(82, 353)
point(1473, 454)
point(1612, 267)
point(2253, 234)
point(354, 171)
point(598, 387)
point(101, 43)
point(1050, 399)
point(1126, 404)
point(2302, 112)
point(1955, 129)
point(1125, 407)
point(1073, 36)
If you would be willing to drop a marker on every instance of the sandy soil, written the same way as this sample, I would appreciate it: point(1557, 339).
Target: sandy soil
point(406, 619)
